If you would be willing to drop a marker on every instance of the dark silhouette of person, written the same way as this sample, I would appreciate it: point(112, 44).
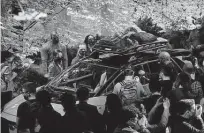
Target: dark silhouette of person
point(95, 119)
point(74, 121)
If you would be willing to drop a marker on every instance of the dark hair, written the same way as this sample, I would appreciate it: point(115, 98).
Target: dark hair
point(113, 102)
point(126, 115)
point(154, 84)
point(68, 101)
point(43, 97)
point(30, 87)
point(183, 105)
point(129, 72)
point(87, 39)
point(82, 93)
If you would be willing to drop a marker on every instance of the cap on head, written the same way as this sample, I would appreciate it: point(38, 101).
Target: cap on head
point(165, 56)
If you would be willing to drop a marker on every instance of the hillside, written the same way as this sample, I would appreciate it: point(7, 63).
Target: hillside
point(74, 19)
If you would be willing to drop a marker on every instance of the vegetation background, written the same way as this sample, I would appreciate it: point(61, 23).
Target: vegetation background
point(74, 19)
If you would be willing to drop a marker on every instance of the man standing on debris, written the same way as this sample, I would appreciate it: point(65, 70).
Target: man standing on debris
point(165, 60)
point(80, 54)
point(48, 50)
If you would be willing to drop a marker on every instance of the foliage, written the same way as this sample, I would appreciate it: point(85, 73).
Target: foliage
point(146, 24)
point(74, 19)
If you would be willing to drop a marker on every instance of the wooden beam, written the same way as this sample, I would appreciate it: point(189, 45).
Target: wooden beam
point(76, 79)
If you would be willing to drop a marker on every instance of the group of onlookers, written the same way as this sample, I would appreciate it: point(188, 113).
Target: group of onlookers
point(175, 104)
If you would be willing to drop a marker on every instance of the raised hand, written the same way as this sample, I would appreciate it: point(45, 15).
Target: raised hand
point(166, 103)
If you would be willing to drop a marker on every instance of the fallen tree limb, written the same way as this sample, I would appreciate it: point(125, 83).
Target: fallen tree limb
point(76, 79)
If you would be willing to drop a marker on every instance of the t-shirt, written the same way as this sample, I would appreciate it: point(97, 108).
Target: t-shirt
point(26, 120)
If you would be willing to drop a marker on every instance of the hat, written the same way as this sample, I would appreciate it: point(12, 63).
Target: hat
point(188, 67)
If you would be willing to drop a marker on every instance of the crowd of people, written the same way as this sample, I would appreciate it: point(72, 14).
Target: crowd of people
point(175, 104)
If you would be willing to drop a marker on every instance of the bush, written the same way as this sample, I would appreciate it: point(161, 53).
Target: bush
point(146, 24)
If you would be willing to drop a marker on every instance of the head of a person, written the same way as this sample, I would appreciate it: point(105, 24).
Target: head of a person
point(109, 72)
point(55, 37)
point(43, 97)
point(28, 89)
point(128, 118)
point(82, 50)
point(57, 54)
point(97, 37)
point(154, 83)
point(164, 57)
point(129, 72)
point(186, 108)
point(188, 68)
point(68, 102)
point(82, 94)
point(89, 40)
point(113, 103)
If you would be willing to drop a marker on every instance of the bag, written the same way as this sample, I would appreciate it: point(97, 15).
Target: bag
point(128, 93)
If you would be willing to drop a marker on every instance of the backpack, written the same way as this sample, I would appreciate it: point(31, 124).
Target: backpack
point(128, 92)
